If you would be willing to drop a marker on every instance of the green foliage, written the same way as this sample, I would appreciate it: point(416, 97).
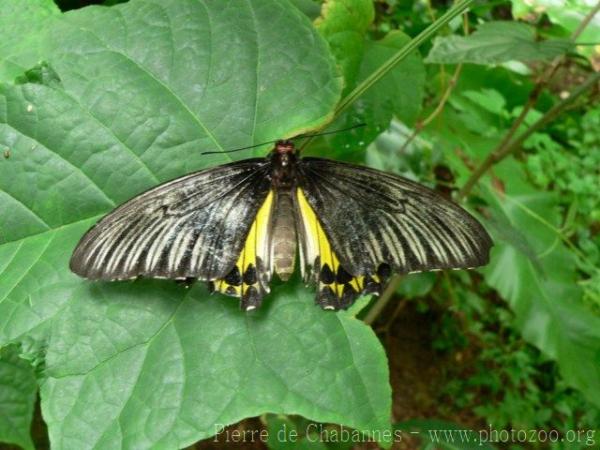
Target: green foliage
point(572, 171)
point(494, 43)
point(119, 358)
point(18, 389)
point(415, 162)
point(344, 23)
point(511, 384)
point(398, 94)
point(567, 14)
point(443, 435)
point(296, 433)
point(72, 144)
point(537, 275)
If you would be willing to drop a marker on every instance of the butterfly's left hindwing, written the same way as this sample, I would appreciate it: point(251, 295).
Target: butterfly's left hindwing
point(192, 227)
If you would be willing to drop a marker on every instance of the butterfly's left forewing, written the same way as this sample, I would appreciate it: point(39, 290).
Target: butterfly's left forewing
point(201, 226)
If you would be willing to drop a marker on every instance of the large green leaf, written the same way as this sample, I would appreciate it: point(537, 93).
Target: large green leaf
point(141, 89)
point(494, 43)
point(169, 367)
point(18, 389)
point(532, 269)
point(21, 26)
point(144, 92)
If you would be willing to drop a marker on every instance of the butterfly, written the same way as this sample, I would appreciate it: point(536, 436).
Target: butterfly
point(237, 224)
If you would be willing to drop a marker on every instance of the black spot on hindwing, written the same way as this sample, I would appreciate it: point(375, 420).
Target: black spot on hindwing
point(250, 275)
point(327, 275)
point(342, 276)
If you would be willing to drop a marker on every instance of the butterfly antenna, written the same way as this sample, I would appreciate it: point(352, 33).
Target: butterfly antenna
point(238, 149)
point(310, 136)
point(359, 125)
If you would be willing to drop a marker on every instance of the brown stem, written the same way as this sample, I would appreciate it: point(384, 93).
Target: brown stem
point(500, 151)
point(551, 114)
point(383, 299)
point(409, 139)
point(438, 109)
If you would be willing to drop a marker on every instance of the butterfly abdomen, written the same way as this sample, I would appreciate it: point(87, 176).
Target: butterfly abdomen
point(284, 236)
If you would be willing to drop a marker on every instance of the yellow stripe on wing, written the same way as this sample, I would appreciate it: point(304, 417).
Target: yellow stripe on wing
point(318, 246)
point(253, 260)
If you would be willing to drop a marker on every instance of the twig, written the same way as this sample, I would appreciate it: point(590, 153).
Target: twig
point(550, 115)
point(585, 22)
point(500, 151)
point(509, 147)
point(445, 96)
point(438, 109)
point(385, 329)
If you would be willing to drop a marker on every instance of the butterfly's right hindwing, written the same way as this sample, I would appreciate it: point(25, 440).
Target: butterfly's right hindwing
point(192, 227)
point(250, 276)
point(361, 225)
point(320, 264)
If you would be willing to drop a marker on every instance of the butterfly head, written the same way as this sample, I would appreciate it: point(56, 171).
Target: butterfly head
point(283, 160)
point(285, 147)
point(284, 152)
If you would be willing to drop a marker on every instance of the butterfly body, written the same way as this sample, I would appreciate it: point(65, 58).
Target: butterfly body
point(236, 225)
point(284, 243)
point(283, 181)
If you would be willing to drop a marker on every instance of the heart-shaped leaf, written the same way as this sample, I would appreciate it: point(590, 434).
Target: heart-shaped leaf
point(137, 92)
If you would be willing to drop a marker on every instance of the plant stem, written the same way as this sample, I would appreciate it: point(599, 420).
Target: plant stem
point(585, 22)
point(500, 151)
point(400, 55)
point(551, 114)
point(444, 98)
point(427, 33)
point(458, 8)
point(383, 299)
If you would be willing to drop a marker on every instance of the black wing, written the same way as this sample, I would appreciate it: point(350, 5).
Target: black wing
point(191, 227)
point(377, 222)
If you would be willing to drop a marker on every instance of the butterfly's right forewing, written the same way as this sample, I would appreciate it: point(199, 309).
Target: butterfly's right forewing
point(191, 227)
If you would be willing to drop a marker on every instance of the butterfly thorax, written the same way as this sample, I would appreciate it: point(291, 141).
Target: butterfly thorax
point(283, 163)
point(283, 159)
